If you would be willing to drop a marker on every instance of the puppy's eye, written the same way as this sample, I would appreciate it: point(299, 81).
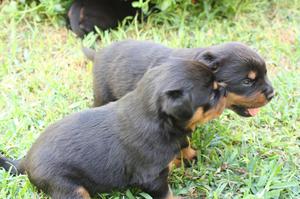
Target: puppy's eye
point(247, 82)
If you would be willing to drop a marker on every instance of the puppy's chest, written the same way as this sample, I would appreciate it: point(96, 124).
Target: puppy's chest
point(154, 161)
point(151, 153)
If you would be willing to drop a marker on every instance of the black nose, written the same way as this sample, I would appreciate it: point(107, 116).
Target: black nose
point(269, 93)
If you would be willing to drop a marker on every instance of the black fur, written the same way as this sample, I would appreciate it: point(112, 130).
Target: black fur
point(84, 15)
point(9, 165)
point(119, 67)
point(125, 143)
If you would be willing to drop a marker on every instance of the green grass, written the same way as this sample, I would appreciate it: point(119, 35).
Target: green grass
point(44, 76)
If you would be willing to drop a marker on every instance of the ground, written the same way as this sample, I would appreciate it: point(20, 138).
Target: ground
point(44, 76)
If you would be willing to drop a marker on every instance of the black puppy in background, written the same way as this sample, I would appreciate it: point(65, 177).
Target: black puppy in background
point(84, 15)
point(125, 143)
point(118, 68)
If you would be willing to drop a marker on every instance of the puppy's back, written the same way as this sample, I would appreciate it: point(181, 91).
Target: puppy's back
point(119, 67)
point(82, 140)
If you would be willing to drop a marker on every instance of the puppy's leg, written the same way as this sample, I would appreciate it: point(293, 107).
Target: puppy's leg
point(187, 154)
point(99, 95)
point(66, 189)
point(102, 92)
point(102, 96)
point(170, 195)
point(159, 188)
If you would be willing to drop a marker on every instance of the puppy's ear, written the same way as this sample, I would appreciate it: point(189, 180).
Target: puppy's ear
point(177, 103)
point(210, 59)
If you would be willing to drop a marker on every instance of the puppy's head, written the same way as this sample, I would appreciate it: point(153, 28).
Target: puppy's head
point(183, 93)
point(244, 73)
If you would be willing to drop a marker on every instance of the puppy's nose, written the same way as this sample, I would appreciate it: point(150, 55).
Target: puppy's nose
point(270, 96)
point(269, 93)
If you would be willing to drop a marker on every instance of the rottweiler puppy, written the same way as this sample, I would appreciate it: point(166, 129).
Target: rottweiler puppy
point(127, 143)
point(84, 15)
point(119, 67)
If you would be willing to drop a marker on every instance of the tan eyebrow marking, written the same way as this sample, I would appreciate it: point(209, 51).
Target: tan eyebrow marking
point(252, 75)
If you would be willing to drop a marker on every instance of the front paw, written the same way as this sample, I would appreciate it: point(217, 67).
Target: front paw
point(189, 153)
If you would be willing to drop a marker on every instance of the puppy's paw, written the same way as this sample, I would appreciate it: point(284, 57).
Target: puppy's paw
point(174, 164)
point(174, 197)
point(189, 153)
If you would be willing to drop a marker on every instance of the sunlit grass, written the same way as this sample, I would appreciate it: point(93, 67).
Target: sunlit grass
point(44, 76)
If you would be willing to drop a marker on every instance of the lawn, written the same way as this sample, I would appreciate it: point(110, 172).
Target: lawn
point(44, 77)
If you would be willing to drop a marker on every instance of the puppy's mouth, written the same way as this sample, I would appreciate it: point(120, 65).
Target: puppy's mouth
point(245, 111)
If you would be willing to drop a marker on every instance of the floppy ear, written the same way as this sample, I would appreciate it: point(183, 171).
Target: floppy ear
point(210, 59)
point(177, 103)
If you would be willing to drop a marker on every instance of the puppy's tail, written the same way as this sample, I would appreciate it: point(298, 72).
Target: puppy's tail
point(89, 53)
point(14, 167)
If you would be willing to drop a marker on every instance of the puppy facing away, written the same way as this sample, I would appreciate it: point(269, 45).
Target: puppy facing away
point(119, 67)
point(127, 143)
point(84, 15)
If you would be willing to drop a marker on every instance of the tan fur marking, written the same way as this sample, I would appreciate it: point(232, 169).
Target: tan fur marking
point(200, 117)
point(222, 84)
point(83, 193)
point(174, 163)
point(256, 100)
point(252, 75)
point(215, 86)
point(197, 117)
point(188, 153)
point(81, 15)
point(70, 13)
point(170, 195)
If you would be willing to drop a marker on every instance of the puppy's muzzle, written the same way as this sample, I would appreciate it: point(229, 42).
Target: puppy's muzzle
point(269, 92)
